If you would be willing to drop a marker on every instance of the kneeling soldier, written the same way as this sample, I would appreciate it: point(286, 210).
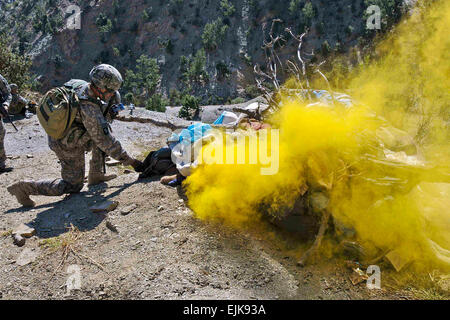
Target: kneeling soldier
point(89, 131)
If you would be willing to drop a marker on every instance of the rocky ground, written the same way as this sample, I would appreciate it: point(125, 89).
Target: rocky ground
point(151, 246)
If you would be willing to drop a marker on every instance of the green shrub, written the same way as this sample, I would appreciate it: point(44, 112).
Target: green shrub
point(237, 100)
point(175, 97)
point(326, 49)
point(308, 12)
point(156, 103)
point(129, 98)
point(222, 70)
point(14, 67)
point(252, 91)
point(293, 7)
point(146, 15)
point(227, 8)
point(194, 69)
point(213, 34)
point(190, 108)
point(144, 80)
point(103, 23)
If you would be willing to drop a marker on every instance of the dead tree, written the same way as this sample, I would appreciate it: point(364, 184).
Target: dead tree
point(299, 73)
point(272, 63)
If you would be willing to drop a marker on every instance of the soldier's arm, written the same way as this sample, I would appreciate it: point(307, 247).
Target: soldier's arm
point(5, 91)
point(99, 131)
point(23, 100)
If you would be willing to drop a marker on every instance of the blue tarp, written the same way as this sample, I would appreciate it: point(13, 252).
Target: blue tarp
point(189, 135)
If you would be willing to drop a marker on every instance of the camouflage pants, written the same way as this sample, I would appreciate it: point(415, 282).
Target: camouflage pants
point(2, 145)
point(72, 171)
point(96, 164)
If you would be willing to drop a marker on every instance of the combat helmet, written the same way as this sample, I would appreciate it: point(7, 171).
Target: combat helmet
point(106, 77)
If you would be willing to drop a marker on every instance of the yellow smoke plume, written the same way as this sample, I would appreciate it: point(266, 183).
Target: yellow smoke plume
point(395, 197)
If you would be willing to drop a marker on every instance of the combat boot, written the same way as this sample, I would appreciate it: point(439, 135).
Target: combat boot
point(97, 178)
point(22, 196)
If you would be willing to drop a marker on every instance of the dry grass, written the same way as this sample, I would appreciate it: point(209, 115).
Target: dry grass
point(5, 234)
point(421, 286)
point(67, 244)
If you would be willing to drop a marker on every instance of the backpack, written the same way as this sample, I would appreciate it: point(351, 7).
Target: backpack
point(57, 111)
point(157, 163)
point(59, 107)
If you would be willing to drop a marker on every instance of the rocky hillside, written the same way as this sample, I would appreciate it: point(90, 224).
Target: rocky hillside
point(205, 47)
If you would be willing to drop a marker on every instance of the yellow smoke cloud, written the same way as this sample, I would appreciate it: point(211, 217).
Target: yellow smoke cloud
point(410, 84)
point(365, 166)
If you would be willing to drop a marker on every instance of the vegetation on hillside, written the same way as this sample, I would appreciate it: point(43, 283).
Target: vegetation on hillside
point(14, 67)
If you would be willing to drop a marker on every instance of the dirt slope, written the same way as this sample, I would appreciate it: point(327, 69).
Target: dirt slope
point(160, 251)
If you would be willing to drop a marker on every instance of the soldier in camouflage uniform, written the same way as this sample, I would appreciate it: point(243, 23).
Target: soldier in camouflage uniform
point(89, 131)
point(18, 103)
point(96, 174)
point(5, 100)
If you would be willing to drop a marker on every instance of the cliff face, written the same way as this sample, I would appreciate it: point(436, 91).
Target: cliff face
point(230, 31)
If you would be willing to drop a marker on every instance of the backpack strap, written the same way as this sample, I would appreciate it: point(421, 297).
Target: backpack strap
point(74, 103)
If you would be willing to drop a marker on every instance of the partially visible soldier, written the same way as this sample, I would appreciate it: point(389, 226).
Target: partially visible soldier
point(18, 103)
point(5, 100)
point(89, 131)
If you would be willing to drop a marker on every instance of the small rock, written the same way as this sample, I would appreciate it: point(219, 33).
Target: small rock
point(358, 276)
point(154, 239)
point(161, 208)
point(127, 210)
point(352, 250)
point(111, 227)
point(113, 163)
point(24, 231)
point(30, 156)
point(19, 240)
point(27, 256)
point(106, 206)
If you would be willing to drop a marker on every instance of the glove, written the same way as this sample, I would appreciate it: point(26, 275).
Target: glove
point(113, 113)
point(137, 165)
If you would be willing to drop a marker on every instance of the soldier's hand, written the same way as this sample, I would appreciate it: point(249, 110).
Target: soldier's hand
point(113, 113)
point(137, 165)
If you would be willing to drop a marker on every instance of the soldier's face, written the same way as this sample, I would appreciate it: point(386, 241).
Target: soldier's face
point(106, 95)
